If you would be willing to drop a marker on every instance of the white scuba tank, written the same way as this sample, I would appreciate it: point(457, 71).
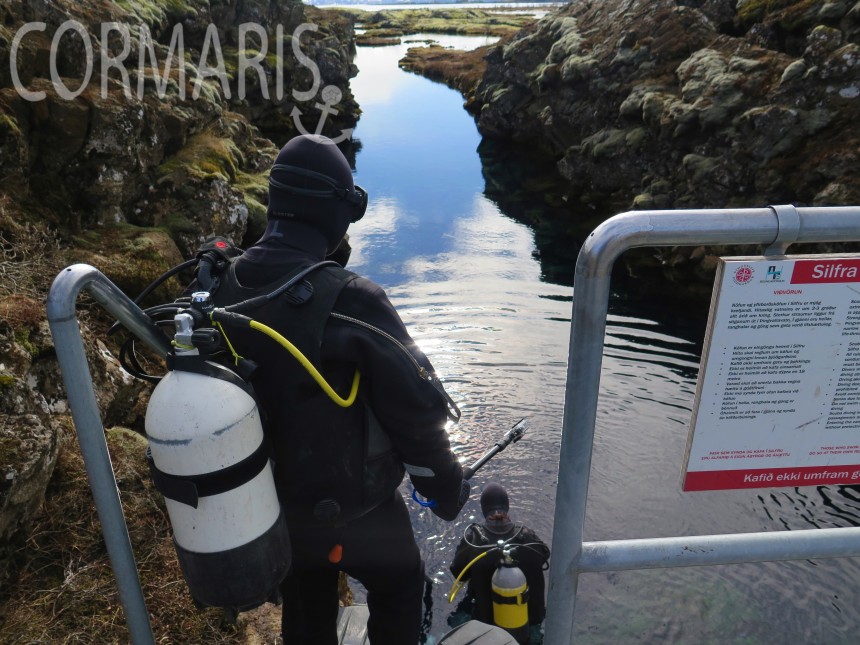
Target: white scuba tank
point(209, 459)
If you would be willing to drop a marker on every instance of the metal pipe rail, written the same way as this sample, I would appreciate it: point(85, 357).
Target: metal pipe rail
point(774, 228)
point(66, 333)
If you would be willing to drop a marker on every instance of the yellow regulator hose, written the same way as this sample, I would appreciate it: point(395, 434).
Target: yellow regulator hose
point(457, 584)
point(301, 358)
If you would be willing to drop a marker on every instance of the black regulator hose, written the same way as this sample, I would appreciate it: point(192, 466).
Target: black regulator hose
point(163, 277)
point(252, 303)
point(152, 286)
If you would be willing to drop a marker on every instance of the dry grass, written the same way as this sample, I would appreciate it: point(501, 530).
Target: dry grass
point(65, 590)
point(28, 255)
point(460, 70)
point(20, 311)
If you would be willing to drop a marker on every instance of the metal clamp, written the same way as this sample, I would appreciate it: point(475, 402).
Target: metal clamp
point(788, 229)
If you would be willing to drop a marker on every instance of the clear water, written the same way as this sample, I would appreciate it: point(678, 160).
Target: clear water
point(467, 281)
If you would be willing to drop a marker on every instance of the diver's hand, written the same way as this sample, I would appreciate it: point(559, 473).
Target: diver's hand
point(449, 511)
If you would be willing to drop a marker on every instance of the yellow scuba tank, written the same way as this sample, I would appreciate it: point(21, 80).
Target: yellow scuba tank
point(510, 598)
point(209, 459)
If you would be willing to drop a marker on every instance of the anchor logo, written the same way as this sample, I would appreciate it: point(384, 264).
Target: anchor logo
point(331, 95)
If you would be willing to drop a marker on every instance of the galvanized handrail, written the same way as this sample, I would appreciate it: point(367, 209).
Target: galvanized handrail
point(774, 227)
point(66, 334)
point(777, 226)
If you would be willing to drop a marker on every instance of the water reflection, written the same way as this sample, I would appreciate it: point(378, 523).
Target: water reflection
point(413, 136)
point(482, 278)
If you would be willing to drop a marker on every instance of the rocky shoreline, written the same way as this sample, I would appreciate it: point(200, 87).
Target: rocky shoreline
point(668, 104)
point(109, 161)
point(629, 103)
point(387, 27)
point(658, 104)
point(183, 147)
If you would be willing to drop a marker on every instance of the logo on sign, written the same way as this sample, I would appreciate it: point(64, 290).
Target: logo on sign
point(774, 273)
point(743, 274)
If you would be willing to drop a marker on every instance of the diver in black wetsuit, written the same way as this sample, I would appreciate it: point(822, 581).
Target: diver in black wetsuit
point(338, 468)
point(530, 554)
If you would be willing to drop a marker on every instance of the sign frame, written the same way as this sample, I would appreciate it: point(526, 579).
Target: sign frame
point(781, 358)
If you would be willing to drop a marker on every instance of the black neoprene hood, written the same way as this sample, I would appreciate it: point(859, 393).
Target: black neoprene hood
point(494, 498)
point(311, 181)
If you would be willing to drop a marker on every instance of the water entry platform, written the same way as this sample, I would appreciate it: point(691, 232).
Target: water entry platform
point(774, 229)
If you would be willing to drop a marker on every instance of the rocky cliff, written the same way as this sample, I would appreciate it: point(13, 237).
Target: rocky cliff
point(99, 123)
point(686, 103)
point(129, 132)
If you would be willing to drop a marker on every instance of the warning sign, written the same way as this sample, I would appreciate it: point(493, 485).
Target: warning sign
point(778, 397)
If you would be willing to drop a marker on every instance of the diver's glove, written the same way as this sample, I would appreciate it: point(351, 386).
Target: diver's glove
point(449, 512)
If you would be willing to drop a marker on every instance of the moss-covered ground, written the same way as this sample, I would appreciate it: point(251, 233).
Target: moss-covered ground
point(66, 591)
point(458, 69)
point(392, 24)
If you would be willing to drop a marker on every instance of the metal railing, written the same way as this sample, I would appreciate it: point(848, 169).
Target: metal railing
point(775, 228)
point(66, 334)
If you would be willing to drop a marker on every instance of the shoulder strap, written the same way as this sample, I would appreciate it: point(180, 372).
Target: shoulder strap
point(296, 287)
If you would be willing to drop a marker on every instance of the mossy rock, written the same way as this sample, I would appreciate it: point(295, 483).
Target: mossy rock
point(156, 12)
point(207, 155)
point(132, 257)
point(28, 453)
point(789, 14)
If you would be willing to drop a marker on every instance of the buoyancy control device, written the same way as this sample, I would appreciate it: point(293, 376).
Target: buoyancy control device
point(510, 598)
point(209, 458)
point(207, 451)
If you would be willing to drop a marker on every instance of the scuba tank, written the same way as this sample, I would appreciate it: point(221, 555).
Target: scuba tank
point(510, 598)
point(209, 459)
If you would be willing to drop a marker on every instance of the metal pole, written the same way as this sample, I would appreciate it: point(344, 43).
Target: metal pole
point(85, 413)
point(588, 326)
point(511, 436)
point(737, 548)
